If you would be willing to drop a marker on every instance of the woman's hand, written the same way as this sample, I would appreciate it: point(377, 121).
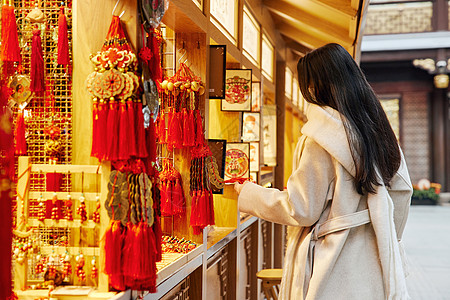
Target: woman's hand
point(238, 187)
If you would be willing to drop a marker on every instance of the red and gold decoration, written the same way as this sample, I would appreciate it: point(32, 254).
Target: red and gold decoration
point(181, 126)
point(10, 50)
point(237, 90)
point(68, 214)
point(173, 202)
point(202, 207)
point(63, 42)
point(81, 274)
point(81, 210)
point(96, 214)
point(118, 122)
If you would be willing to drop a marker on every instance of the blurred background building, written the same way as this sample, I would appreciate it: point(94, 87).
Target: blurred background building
point(405, 54)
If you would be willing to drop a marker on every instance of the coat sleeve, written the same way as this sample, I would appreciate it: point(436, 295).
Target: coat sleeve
point(400, 192)
point(302, 203)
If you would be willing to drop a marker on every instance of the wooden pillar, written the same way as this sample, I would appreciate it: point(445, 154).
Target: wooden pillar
point(440, 15)
point(281, 107)
point(439, 119)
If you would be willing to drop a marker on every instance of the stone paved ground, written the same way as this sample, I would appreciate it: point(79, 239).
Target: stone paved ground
point(427, 243)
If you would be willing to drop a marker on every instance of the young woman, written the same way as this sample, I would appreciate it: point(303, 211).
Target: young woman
point(347, 200)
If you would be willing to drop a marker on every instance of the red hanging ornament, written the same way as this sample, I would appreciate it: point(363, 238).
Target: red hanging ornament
point(94, 270)
point(140, 130)
point(112, 126)
point(81, 210)
point(63, 41)
point(96, 214)
point(67, 266)
point(124, 132)
point(131, 128)
point(19, 135)
point(154, 39)
point(56, 208)
point(10, 50)
point(41, 209)
point(68, 215)
point(37, 64)
point(79, 268)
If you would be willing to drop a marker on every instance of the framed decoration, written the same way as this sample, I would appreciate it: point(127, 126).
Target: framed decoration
point(256, 96)
point(238, 87)
point(254, 157)
point(218, 150)
point(254, 177)
point(217, 58)
point(270, 134)
point(250, 126)
point(237, 162)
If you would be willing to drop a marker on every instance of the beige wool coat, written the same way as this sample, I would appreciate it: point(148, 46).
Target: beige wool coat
point(344, 264)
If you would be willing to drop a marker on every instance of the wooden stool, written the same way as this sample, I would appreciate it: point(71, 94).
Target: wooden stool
point(271, 279)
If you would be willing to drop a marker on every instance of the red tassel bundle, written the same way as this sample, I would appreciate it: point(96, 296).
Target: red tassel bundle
point(140, 130)
point(113, 244)
point(124, 141)
point(188, 128)
point(63, 41)
point(37, 64)
point(118, 123)
point(161, 130)
point(19, 135)
point(202, 206)
point(173, 202)
point(10, 50)
point(112, 127)
point(132, 128)
point(155, 62)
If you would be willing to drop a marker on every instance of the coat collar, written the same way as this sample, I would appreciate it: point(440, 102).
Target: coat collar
point(326, 128)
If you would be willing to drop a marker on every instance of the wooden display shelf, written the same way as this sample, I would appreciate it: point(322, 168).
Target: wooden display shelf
point(63, 223)
point(59, 250)
point(63, 195)
point(60, 294)
point(172, 263)
point(218, 238)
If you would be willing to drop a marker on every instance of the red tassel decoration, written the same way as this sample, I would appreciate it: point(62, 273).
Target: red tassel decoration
point(113, 243)
point(124, 133)
point(178, 198)
point(131, 128)
point(140, 131)
point(102, 132)
point(155, 62)
point(161, 130)
point(158, 238)
point(112, 130)
point(63, 42)
point(19, 135)
point(170, 129)
point(10, 50)
point(129, 255)
point(37, 64)
point(177, 133)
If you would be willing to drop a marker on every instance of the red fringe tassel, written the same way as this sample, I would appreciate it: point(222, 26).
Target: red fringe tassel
point(10, 50)
point(37, 64)
point(19, 135)
point(63, 42)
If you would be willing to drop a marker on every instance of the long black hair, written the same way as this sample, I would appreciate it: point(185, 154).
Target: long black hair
point(328, 76)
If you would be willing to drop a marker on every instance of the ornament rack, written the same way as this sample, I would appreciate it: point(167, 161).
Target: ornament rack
point(85, 236)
